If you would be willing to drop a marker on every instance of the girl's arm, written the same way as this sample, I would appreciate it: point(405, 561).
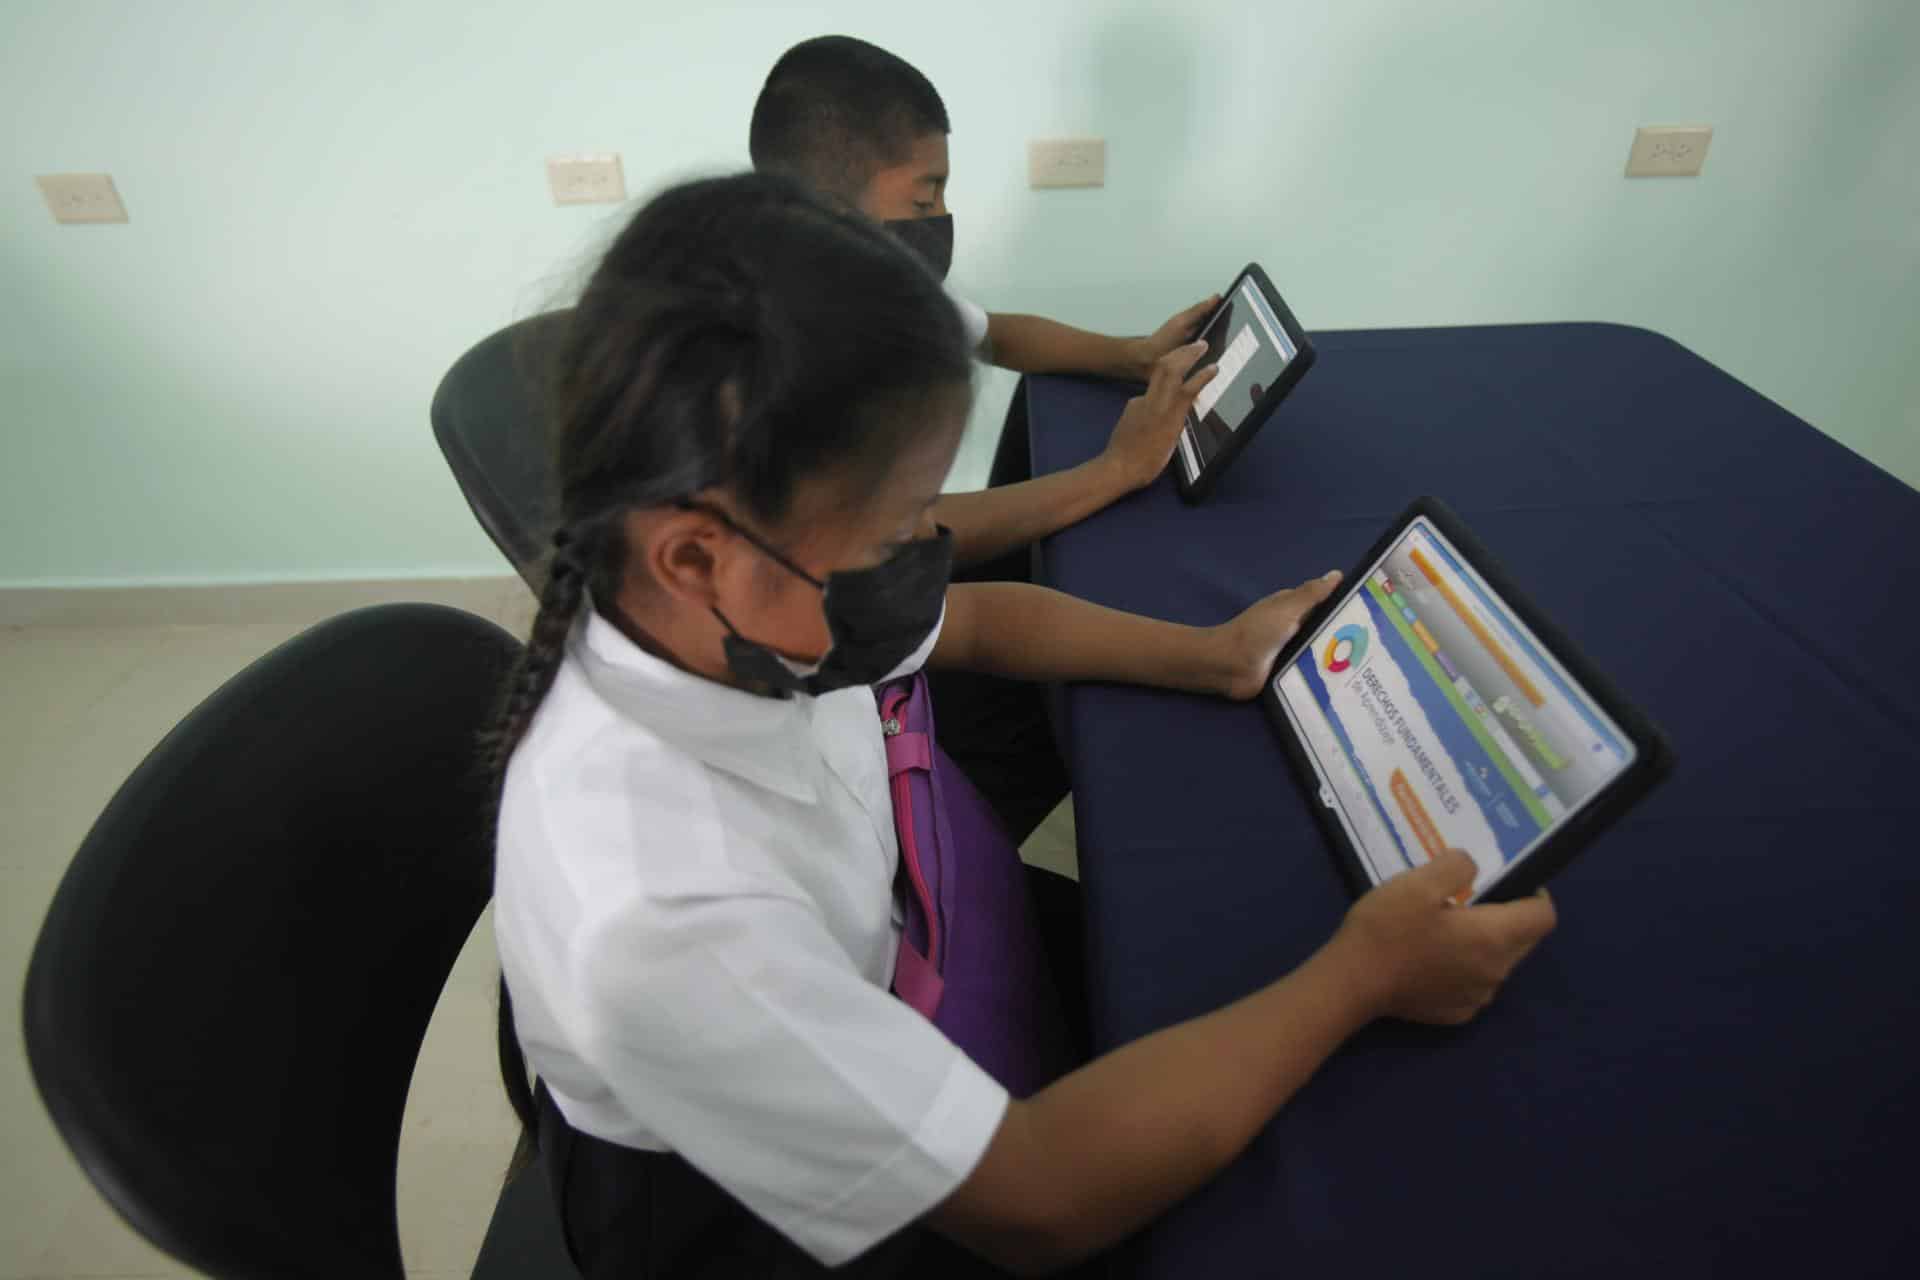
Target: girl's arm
point(1095, 1156)
point(1033, 633)
point(1100, 1153)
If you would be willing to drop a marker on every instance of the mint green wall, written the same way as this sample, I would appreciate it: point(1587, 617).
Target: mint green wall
point(331, 201)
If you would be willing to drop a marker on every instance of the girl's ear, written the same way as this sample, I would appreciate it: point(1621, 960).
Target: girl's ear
point(684, 552)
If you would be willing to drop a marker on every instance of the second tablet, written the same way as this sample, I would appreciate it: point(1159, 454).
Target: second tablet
point(1262, 352)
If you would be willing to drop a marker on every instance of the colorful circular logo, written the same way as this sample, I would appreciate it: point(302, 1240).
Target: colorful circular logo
point(1348, 646)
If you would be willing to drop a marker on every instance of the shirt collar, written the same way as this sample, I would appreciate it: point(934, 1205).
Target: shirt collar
point(763, 740)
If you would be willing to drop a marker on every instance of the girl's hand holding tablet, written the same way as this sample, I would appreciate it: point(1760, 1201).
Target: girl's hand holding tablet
point(1251, 642)
point(1415, 955)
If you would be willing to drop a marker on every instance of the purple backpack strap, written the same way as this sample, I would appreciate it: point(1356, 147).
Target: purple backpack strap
point(970, 957)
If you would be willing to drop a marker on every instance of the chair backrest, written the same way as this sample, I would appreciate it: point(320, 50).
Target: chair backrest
point(489, 416)
point(228, 995)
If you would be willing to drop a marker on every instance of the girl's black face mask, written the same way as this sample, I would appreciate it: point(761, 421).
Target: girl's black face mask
point(930, 238)
point(876, 617)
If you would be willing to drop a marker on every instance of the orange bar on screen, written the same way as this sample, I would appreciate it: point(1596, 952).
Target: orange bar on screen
point(1480, 633)
point(1416, 815)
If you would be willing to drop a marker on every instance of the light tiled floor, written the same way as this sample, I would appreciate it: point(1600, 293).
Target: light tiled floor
point(81, 707)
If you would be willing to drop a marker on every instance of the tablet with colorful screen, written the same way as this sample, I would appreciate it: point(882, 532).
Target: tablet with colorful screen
point(1428, 706)
point(1262, 352)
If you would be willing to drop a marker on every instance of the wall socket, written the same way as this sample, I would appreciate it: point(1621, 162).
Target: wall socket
point(1668, 151)
point(1067, 162)
point(81, 197)
point(592, 179)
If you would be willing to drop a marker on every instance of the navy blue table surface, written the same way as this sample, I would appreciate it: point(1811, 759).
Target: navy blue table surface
point(1715, 1061)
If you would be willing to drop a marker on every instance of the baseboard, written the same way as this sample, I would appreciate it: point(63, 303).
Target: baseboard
point(502, 597)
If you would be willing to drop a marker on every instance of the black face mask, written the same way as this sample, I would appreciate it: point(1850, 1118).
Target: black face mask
point(930, 238)
point(877, 618)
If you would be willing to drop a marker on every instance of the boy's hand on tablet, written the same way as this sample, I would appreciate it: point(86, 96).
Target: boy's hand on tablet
point(1411, 953)
point(1143, 439)
point(1181, 329)
point(1249, 644)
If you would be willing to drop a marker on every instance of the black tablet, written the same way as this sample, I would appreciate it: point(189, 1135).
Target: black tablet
point(1428, 705)
point(1262, 351)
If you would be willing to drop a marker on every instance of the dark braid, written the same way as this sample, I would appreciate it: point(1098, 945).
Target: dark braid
point(575, 556)
point(741, 334)
point(526, 688)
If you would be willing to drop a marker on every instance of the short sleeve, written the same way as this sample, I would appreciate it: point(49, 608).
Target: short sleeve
point(742, 1035)
point(974, 317)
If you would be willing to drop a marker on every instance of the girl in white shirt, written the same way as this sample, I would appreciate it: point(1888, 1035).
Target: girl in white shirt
point(756, 404)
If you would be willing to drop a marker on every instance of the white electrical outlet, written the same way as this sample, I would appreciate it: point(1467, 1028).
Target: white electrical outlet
point(82, 197)
point(595, 179)
point(1067, 162)
point(1668, 151)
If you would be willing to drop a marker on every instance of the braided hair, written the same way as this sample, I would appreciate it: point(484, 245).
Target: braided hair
point(740, 333)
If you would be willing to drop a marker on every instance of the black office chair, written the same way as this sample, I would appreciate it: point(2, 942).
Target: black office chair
point(231, 987)
point(489, 417)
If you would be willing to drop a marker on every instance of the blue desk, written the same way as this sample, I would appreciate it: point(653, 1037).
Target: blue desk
point(1714, 1066)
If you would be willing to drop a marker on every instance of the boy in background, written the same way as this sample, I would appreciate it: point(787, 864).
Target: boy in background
point(861, 125)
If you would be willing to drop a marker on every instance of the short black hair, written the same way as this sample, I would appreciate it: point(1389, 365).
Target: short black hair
point(835, 110)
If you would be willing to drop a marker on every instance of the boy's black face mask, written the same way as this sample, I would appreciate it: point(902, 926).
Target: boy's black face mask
point(930, 238)
point(876, 617)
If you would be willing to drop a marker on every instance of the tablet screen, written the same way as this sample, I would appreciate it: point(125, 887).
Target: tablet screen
point(1434, 718)
point(1251, 347)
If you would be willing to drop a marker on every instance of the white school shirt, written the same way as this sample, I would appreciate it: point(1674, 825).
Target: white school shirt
point(695, 915)
point(974, 317)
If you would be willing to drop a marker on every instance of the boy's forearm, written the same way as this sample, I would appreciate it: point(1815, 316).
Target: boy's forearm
point(991, 522)
point(1034, 344)
point(1033, 633)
